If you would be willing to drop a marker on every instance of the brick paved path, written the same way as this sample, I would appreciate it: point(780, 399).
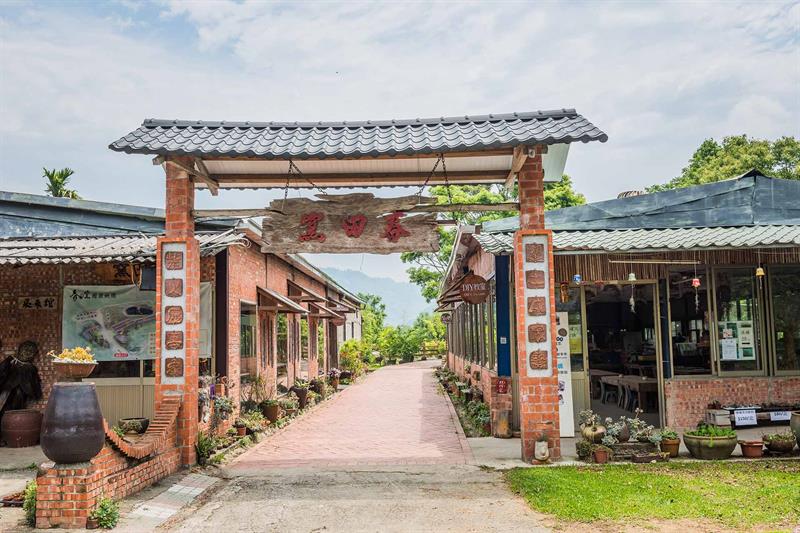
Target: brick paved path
point(393, 417)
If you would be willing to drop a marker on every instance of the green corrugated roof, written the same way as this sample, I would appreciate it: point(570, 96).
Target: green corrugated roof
point(654, 239)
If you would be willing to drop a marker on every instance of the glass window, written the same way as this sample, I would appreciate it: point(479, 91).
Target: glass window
point(689, 327)
point(116, 369)
point(283, 343)
point(569, 301)
point(320, 348)
point(785, 290)
point(737, 320)
point(247, 339)
point(304, 346)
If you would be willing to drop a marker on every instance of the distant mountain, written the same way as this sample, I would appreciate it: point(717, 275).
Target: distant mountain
point(403, 300)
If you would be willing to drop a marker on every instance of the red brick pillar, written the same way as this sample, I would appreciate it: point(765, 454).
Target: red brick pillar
point(535, 313)
point(178, 308)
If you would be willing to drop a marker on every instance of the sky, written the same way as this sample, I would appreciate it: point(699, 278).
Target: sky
point(658, 78)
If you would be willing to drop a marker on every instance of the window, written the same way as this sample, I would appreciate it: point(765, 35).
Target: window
point(247, 339)
point(784, 285)
point(737, 320)
point(689, 326)
point(320, 347)
point(304, 347)
point(283, 344)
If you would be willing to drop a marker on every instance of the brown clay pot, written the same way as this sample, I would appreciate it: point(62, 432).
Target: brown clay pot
point(72, 427)
point(601, 456)
point(335, 384)
point(752, 449)
point(594, 434)
point(671, 446)
point(21, 427)
point(92, 523)
point(302, 397)
point(241, 431)
point(271, 412)
point(73, 371)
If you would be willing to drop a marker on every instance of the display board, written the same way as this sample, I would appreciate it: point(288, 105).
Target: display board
point(563, 342)
point(118, 322)
point(737, 341)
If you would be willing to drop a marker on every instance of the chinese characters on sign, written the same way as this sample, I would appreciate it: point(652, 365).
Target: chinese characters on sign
point(350, 223)
point(38, 302)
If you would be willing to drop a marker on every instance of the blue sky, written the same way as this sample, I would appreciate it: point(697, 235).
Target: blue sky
point(657, 77)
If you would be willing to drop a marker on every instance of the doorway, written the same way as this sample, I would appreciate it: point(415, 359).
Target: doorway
point(622, 349)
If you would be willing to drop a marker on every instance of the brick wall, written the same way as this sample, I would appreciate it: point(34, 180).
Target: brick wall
point(687, 399)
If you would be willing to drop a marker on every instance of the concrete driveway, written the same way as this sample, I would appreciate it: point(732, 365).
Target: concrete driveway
point(386, 454)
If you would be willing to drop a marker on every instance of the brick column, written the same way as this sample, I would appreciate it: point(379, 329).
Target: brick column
point(178, 308)
point(535, 313)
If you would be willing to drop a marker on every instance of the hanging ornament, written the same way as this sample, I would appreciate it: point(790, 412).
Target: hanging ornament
point(760, 272)
point(695, 282)
point(632, 301)
point(631, 277)
point(576, 278)
point(564, 292)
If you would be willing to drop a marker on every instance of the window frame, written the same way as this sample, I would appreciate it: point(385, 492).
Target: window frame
point(770, 319)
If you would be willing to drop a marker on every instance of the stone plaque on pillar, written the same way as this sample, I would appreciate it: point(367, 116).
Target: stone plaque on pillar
point(173, 305)
point(536, 293)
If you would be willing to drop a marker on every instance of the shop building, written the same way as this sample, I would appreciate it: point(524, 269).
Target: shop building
point(76, 272)
point(665, 302)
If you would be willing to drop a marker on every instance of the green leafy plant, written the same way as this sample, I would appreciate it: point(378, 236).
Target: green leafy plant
point(786, 436)
point(106, 513)
point(252, 420)
point(287, 403)
point(29, 503)
point(705, 430)
point(669, 434)
point(223, 407)
point(584, 449)
point(118, 431)
point(301, 384)
point(205, 446)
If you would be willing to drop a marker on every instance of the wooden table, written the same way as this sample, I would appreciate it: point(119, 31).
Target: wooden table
point(641, 385)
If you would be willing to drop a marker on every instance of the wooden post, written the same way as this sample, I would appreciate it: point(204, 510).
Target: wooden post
point(535, 313)
point(178, 308)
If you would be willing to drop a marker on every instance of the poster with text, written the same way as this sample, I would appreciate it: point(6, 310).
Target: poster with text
point(565, 415)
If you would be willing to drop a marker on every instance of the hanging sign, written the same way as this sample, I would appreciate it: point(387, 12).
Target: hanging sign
point(349, 223)
point(474, 289)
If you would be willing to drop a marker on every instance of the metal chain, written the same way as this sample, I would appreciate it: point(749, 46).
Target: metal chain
point(446, 181)
point(440, 159)
point(291, 164)
point(286, 189)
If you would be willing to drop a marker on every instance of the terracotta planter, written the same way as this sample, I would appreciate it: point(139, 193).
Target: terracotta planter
point(73, 371)
point(710, 448)
point(92, 523)
point(21, 427)
point(601, 456)
point(594, 434)
point(72, 427)
point(752, 449)
point(133, 426)
point(271, 412)
point(241, 431)
point(779, 446)
point(671, 446)
point(335, 384)
point(794, 423)
point(302, 397)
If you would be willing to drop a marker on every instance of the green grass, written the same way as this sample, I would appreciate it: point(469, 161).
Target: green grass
point(738, 494)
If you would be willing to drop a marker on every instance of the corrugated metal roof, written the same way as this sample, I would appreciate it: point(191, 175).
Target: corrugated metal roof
point(113, 248)
point(747, 200)
point(654, 239)
point(345, 139)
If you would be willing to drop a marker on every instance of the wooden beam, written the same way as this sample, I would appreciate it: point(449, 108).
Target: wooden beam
point(432, 155)
point(442, 208)
point(519, 158)
point(200, 174)
point(375, 179)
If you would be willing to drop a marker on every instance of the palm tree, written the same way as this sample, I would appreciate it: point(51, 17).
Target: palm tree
point(57, 183)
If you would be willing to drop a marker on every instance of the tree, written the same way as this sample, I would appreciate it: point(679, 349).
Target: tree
point(429, 268)
point(373, 316)
point(737, 154)
point(57, 183)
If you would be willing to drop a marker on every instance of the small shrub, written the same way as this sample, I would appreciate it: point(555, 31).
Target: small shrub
point(106, 513)
point(205, 445)
point(29, 503)
point(704, 430)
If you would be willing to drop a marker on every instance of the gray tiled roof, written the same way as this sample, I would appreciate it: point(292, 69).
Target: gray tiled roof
point(654, 239)
point(369, 138)
point(112, 248)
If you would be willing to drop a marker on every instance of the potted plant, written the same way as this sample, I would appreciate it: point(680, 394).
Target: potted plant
point(584, 448)
point(73, 364)
point(223, 407)
point(206, 444)
point(333, 378)
point(270, 409)
point(241, 427)
point(780, 442)
point(591, 429)
point(288, 406)
point(133, 426)
point(670, 442)
point(710, 442)
point(752, 449)
point(601, 454)
point(300, 388)
point(794, 423)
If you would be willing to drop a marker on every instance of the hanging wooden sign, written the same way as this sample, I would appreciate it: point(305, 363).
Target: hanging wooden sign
point(349, 223)
point(474, 289)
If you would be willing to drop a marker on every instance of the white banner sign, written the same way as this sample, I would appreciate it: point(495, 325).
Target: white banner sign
point(565, 409)
point(745, 417)
point(779, 416)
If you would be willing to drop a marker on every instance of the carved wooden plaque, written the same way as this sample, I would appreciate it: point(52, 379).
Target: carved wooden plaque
point(173, 340)
point(474, 289)
point(173, 287)
point(173, 260)
point(173, 367)
point(349, 223)
point(173, 314)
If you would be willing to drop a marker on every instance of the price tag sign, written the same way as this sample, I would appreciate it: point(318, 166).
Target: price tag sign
point(779, 416)
point(745, 417)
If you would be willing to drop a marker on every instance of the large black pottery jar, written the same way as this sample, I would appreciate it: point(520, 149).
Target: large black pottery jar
point(72, 428)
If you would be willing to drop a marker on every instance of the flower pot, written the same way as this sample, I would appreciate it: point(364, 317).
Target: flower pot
point(241, 431)
point(335, 384)
point(302, 397)
point(73, 371)
point(671, 446)
point(271, 412)
point(594, 434)
point(752, 449)
point(289, 412)
point(624, 434)
point(794, 423)
point(710, 448)
point(346, 374)
point(219, 389)
point(21, 427)
point(645, 458)
point(487, 428)
point(133, 426)
point(72, 427)
point(601, 456)
point(92, 523)
point(779, 446)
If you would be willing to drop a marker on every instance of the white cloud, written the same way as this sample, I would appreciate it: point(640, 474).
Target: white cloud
point(657, 77)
